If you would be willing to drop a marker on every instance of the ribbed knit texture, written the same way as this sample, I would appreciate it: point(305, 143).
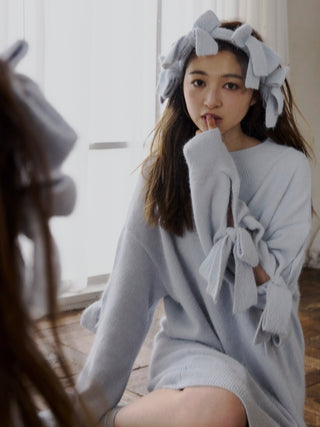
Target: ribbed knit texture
point(220, 329)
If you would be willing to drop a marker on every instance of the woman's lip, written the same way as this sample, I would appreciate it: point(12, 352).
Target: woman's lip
point(216, 118)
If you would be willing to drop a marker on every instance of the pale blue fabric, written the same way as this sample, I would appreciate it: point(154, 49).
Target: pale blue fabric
point(274, 321)
point(245, 255)
point(14, 53)
point(263, 61)
point(57, 139)
point(219, 329)
point(54, 133)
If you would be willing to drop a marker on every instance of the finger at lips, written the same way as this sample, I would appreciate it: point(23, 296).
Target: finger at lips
point(211, 122)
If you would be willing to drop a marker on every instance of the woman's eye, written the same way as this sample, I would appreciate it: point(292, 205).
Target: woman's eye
point(198, 83)
point(231, 86)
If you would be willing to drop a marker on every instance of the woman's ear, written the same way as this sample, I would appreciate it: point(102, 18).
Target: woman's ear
point(254, 98)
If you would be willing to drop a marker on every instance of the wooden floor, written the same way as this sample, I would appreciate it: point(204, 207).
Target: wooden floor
point(310, 320)
point(77, 342)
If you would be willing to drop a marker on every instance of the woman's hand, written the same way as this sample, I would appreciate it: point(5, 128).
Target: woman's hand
point(210, 123)
point(260, 275)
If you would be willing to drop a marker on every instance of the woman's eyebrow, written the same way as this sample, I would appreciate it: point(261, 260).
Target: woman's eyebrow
point(228, 75)
point(198, 72)
point(235, 76)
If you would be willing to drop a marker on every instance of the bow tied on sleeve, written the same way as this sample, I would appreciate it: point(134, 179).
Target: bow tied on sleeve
point(245, 257)
point(275, 317)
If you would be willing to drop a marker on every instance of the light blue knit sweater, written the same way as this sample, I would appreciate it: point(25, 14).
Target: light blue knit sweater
point(220, 329)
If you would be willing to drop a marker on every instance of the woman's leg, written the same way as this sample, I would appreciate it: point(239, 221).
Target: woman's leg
point(191, 407)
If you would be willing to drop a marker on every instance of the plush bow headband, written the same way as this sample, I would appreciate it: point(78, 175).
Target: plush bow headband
point(263, 71)
point(55, 135)
point(57, 139)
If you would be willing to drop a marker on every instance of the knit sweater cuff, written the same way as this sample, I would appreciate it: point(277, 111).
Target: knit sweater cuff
point(275, 318)
point(206, 153)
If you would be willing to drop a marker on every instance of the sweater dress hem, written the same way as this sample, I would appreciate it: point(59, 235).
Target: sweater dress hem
point(221, 371)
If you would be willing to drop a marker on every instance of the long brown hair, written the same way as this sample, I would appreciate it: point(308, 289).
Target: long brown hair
point(167, 197)
point(24, 369)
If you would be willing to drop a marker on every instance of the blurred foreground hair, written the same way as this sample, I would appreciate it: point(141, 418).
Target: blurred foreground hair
point(26, 376)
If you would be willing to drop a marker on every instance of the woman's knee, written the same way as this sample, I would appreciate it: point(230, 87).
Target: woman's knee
point(210, 407)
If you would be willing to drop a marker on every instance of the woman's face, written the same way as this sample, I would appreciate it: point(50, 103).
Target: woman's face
point(214, 86)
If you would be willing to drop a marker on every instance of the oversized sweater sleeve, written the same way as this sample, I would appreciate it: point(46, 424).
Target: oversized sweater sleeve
point(121, 321)
point(279, 248)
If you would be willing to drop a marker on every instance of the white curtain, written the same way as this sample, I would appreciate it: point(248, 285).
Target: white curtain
point(95, 62)
point(55, 62)
point(110, 65)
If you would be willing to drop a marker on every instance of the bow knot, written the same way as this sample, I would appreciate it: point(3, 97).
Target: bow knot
point(244, 248)
point(272, 94)
point(208, 21)
point(202, 34)
point(169, 79)
point(204, 43)
point(241, 35)
point(177, 52)
point(245, 255)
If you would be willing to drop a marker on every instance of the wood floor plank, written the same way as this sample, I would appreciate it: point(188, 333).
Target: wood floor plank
point(310, 321)
point(129, 397)
point(311, 419)
point(138, 381)
point(313, 399)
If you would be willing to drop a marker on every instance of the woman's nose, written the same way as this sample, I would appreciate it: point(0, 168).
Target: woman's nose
point(212, 99)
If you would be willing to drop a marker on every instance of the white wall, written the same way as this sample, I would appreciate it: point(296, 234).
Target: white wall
point(304, 54)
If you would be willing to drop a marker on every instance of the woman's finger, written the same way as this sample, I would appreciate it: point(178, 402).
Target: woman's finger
point(211, 122)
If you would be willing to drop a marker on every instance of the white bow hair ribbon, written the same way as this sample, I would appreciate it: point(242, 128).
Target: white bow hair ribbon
point(199, 38)
point(204, 43)
point(169, 80)
point(263, 62)
point(272, 94)
point(202, 35)
point(172, 65)
point(178, 51)
point(262, 59)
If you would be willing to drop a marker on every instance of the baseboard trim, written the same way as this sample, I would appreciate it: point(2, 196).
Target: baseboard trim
point(79, 300)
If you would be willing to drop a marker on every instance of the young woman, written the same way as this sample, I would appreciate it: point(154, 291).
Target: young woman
point(35, 141)
point(217, 228)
